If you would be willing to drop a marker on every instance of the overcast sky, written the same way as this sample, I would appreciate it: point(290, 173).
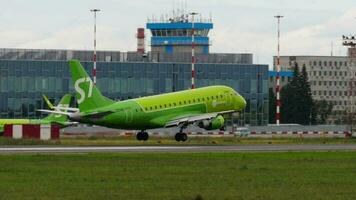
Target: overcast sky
point(309, 26)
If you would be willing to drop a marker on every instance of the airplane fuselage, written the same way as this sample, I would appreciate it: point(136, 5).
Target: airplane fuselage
point(155, 111)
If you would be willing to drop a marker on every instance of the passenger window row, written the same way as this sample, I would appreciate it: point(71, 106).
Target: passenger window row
point(185, 102)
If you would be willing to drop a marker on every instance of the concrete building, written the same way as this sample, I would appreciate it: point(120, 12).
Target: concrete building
point(329, 77)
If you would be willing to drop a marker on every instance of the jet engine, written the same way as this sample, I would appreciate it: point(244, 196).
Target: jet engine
point(212, 124)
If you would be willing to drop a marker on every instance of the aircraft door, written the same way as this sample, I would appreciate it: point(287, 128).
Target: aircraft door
point(227, 98)
point(129, 115)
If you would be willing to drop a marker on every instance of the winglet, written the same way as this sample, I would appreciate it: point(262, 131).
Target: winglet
point(50, 105)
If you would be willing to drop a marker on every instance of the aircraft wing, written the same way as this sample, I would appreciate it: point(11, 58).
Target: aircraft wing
point(195, 118)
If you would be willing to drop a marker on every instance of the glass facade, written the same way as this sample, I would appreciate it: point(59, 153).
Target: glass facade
point(22, 83)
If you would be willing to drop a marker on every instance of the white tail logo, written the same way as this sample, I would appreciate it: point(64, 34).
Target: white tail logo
point(81, 91)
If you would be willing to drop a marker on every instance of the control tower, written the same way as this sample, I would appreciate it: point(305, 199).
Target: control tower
point(174, 34)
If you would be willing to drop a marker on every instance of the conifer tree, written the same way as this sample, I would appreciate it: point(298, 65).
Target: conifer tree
point(306, 102)
point(272, 107)
point(289, 98)
point(297, 101)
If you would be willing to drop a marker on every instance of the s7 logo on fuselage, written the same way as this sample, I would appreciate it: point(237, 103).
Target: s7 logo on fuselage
point(80, 89)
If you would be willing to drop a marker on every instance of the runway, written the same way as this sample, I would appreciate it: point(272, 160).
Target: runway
point(172, 149)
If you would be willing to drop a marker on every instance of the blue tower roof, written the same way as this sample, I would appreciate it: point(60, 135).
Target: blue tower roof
point(175, 34)
point(179, 25)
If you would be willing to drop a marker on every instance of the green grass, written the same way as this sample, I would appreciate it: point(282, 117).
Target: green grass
point(109, 141)
point(291, 175)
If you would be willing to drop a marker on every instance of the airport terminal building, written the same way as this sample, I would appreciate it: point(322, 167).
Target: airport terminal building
point(27, 74)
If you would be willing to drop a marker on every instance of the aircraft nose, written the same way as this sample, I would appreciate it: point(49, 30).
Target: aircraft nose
point(240, 102)
point(243, 102)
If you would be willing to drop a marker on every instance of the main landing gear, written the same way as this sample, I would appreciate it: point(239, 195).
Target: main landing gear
point(180, 136)
point(142, 135)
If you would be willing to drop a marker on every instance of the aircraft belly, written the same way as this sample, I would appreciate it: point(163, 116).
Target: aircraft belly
point(140, 120)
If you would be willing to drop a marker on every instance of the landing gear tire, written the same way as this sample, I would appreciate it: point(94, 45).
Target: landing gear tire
point(145, 136)
point(184, 137)
point(177, 137)
point(181, 137)
point(142, 136)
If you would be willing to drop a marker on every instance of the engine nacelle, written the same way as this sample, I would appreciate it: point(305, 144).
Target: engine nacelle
point(213, 124)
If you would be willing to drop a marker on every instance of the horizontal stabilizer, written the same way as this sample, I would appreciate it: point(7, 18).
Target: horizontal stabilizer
point(65, 108)
point(69, 114)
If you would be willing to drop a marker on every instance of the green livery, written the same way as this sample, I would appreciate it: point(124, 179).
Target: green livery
point(202, 106)
point(155, 111)
point(52, 118)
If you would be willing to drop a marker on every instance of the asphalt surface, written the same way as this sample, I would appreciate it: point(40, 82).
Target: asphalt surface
point(195, 148)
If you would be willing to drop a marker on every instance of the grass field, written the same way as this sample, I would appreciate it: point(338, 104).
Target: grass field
point(109, 141)
point(291, 175)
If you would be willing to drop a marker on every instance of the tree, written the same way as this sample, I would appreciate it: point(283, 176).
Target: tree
point(306, 102)
point(297, 101)
point(323, 110)
point(287, 101)
point(272, 107)
point(288, 96)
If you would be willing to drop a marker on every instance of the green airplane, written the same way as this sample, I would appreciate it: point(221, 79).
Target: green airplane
point(203, 107)
point(61, 120)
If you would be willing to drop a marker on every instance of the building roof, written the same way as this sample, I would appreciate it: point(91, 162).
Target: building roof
point(282, 73)
point(179, 25)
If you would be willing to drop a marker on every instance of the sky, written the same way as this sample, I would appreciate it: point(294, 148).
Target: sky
point(309, 27)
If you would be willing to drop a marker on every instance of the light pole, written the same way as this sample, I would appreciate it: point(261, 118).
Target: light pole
point(193, 49)
point(278, 89)
point(94, 55)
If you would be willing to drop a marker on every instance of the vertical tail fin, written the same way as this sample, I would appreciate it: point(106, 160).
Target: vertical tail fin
point(88, 95)
point(64, 102)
